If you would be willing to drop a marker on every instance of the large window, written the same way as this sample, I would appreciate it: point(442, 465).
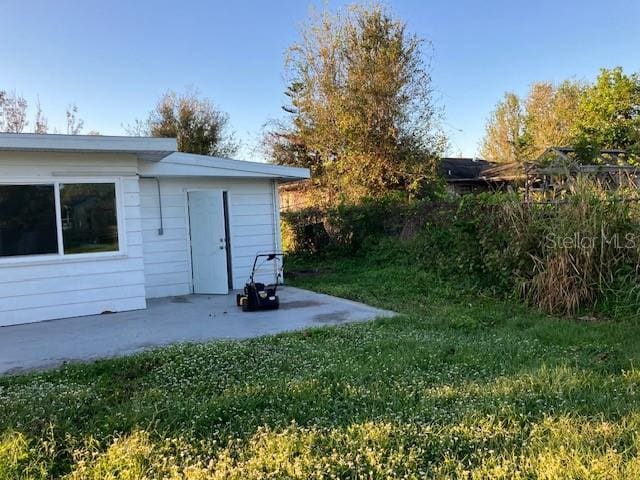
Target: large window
point(29, 220)
point(89, 220)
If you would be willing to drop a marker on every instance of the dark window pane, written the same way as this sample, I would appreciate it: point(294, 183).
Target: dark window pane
point(89, 217)
point(27, 220)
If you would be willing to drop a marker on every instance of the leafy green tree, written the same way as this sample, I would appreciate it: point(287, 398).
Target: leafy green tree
point(609, 114)
point(362, 115)
point(196, 124)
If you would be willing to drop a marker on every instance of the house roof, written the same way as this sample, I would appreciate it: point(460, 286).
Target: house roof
point(462, 169)
point(188, 164)
point(158, 156)
point(145, 148)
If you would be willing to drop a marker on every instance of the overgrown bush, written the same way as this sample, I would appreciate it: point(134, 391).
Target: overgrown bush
point(345, 228)
point(304, 231)
point(576, 256)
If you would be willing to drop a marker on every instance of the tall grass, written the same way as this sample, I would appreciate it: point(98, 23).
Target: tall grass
point(590, 249)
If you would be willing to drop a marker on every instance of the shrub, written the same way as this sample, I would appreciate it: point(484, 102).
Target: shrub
point(345, 228)
point(580, 254)
point(467, 237)
point(303, 231)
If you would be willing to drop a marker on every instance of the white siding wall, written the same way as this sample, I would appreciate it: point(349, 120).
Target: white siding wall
point(167, 257)
point(33, 290)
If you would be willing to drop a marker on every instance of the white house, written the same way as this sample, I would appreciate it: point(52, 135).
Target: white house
point(94, 224)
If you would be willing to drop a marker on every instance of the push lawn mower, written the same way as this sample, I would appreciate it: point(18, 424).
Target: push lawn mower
point(258, 296)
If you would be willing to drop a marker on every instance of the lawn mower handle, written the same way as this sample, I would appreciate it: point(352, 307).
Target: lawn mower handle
point(270, 256)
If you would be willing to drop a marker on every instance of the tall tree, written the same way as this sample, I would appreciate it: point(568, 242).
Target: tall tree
point(589, 117)
point(609, 113)
point(504, 136)
point(551, 113)
point(196, 124)
point(362, 114)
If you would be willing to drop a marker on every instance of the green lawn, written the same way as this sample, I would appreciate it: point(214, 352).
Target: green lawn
point(459, 386)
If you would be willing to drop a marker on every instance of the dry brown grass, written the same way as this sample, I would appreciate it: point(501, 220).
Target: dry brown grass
point(589, 242)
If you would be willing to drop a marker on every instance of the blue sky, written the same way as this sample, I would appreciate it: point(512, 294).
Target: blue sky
point(115, 58)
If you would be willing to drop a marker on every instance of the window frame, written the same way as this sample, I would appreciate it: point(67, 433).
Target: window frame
point(61, 257)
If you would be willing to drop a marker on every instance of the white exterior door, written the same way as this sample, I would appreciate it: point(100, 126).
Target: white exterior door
point(208, 242)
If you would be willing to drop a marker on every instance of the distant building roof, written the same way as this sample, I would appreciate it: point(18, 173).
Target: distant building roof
point(463, 169)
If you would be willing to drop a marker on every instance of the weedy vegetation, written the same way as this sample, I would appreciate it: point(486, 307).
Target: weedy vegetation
point(576, 257)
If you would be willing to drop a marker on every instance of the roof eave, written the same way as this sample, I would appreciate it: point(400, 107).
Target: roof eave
point(185, 164)
point(146, 148)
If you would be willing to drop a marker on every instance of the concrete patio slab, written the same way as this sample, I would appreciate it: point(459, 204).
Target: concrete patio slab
point(193, 318)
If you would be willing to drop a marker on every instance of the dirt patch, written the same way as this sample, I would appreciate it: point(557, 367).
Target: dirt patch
point(299, 304)
point(334, 317)
point(180, 300)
